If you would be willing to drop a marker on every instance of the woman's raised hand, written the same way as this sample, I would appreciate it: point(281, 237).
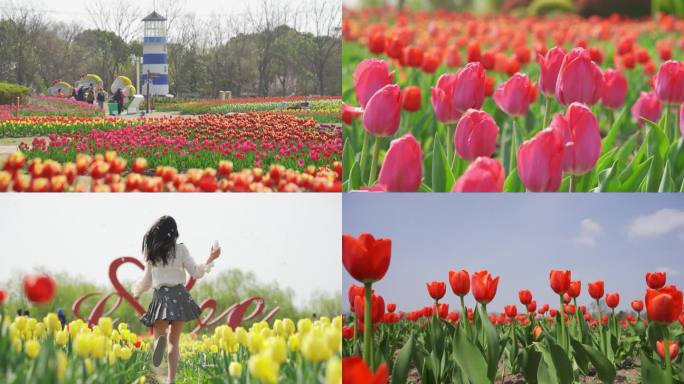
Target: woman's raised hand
point(215, 253)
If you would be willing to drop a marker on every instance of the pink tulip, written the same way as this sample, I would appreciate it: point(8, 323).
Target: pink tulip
point(457, 92)
point(581, 137)
point(482, 175)
point(540, 161)
point(647, 106)
point(681, 119)
point(370, 75)
point(513, 96)
point(549, 66)
point(402, 170)
point(475, 135)
point(669, 84)
point(383, 111)
point(614, 89)
point(579, 79)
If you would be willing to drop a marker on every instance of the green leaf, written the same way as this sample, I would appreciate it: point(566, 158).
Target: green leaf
point(655, 172)
point(513, 183)
point(493, 346)
point(562, 364)
point(355, 177)
point(609, 141)
point(635, 175)
point(529, 362)
point(442, 178)
point(403, 362)
point(656, 141)
point(666, 182)
point(604, 368)
point(470, 359)
point(347, 159)
point(608, 179)
point(651, 372)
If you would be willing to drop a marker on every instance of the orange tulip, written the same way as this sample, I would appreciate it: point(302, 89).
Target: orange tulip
point(365, 258)
point(484, 286)
point(560, 281)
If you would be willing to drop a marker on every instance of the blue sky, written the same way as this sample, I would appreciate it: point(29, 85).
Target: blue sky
point(520, 237)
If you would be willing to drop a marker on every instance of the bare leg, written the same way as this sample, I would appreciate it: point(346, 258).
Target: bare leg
point(174, 350)
point(159, 328)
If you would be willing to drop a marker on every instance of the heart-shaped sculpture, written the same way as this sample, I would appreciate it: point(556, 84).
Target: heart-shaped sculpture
point(123, 292)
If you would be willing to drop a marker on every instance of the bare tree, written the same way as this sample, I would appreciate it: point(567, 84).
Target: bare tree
point(266, 19)
point(172, 10)
point(325, 21)
point(121, 17)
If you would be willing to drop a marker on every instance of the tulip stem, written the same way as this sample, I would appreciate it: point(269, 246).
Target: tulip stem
point(561, 316)
point(547, 111)
point(573, 183)
point(448, 145)
point(364, 154)
point(668, 360)
point(600, 326)
point(368, 327)
point(374, 161)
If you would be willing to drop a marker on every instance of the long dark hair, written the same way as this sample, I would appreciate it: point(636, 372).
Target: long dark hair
point(159, 243)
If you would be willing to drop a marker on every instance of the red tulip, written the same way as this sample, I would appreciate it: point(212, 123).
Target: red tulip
point(596, 289)
point(402, 169)
point(377, 308)
point(355, 290)
point(355, 371)
point(410, 98)
point(612, 299)
point(391, 308)
point(569, 309)
point(513, 96)
point(567, 298)
point(3, 296)
point(543, 309)
point(669, 84)
point(484, 287)
point(349, 113)
point(443, 310)
point(365, 258)
point(656, 280)
point(681, 119)
point(475, 135)
point(664, 305)
point(453, 317)
point(637, 305)
point(579, 79)
point(647, 106)
point(525, 296)
point(560, 281)
point(581, 137)
point(376, 43)
point(511, 311)
point(532, 306)
point(383, 111)
point(39, 289)
point(456, 93)
point(575, 288)
point(347, 333)
point(614, 89)
point(369, 77)
point(540, 161)
point(430, 63)
point(460, 282)
point(453, 58)
point(413, 56)
point(482, 175)
point(671, 345)
point(436, 289)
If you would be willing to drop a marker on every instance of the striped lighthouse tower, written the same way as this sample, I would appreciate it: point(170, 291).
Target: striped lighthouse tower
point(155, 60)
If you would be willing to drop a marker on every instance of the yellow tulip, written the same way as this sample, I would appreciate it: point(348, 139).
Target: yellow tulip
point(314, 347)
point(61, 364)
point(82, 345)
point(333, 371)
point(235, 369)
point(61, 337)
point(89, 366)
point(277, 349)
point(293, 342)
point(32, 348)
point(126, 353)
point(241, 336)
point(264, 368)
point(105, 324)
point(98, 346)
point(304, 325)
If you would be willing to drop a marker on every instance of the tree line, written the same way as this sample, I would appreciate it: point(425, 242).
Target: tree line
point(271, 50)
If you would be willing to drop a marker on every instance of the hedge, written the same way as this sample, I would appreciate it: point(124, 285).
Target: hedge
point(9, 93)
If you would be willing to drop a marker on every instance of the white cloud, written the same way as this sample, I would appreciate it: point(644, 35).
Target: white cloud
point(669, 271)
point(656, 224)
point(589, 230)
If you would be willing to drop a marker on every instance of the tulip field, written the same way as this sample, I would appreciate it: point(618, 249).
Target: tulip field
point(50, 106)
point(52, 350)
point(260, 151)
point(578, 339)
point(446, 101)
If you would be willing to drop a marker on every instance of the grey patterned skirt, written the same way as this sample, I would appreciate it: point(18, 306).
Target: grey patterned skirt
point(171, 303)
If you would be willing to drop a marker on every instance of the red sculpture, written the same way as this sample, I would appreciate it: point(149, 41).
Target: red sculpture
point(235, 314)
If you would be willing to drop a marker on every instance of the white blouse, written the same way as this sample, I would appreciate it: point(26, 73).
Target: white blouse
point(172, 273)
